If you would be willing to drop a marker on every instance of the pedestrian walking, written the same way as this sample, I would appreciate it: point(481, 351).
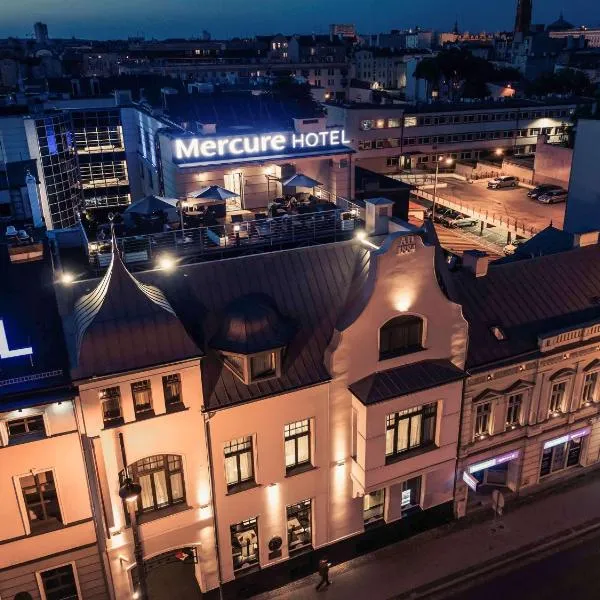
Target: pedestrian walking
point(324, 573)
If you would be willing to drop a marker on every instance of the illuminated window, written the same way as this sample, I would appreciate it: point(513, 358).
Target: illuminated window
point(161, 479)
point(561, 456)
point(111, 406)
point(400, 335)
point(239, 464)
point(59, 583)
point(172, 389)
point(299, 525)
point(142, 398)
point(557, 397)
point(590, 386)
point(244, 544)
point(483, 412)
point(410, 429)
point(513, 413)
point(411, 494)
point(41, 501)
point(262, 365)
point(297, 445)
point(373, 506)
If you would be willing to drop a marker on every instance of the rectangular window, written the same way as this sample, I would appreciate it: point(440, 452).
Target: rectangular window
point(482, 418)
point(297, 445)
point(172, 389)
point(244, 545)
point(561, 457)
point(373, 505)
point(393, 161)
point(411, 493)
point(299, 525)
point(262, 365)
point(410, 429)
point(590, 385)
point(111, 406)
point(394, 123)
point(59, 583)
point(41, 501)
point(513, 413)
point(239, 463)
point(27, 428)
point(557, 397)
point(142, 398)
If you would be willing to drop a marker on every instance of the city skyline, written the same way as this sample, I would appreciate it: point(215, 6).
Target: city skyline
point(86, 20)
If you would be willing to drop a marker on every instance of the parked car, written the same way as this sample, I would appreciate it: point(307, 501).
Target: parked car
point(462, 221)
point(511, 248)
point(502, 182)
point(553, 196)
point(542, 189)
point(446, 217)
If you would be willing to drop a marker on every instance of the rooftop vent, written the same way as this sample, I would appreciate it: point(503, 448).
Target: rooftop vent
point(498, 333)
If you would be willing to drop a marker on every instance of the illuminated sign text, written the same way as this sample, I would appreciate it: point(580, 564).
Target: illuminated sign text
point(492, 462)
point(567, 438)
point(250, 146)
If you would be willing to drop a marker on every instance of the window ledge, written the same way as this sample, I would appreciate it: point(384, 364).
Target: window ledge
point(304, 468)
point(410, 454)
point(246, 571)
point(161, 513)
point(403, 352)
point(374, 523)
point(114, 423)
point(301, 550)
point(241, 487)
point(175, 407)
point(147, 414)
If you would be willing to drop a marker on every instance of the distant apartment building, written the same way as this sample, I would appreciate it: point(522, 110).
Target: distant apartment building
point(389, 137)
point(384, 68)
point(591, 35)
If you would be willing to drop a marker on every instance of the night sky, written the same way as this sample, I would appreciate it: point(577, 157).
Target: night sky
point(228, 18)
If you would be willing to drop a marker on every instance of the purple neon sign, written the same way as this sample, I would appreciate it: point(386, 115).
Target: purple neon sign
point(574, 435)
point(492, 462)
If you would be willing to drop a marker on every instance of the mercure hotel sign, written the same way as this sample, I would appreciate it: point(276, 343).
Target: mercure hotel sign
point(248, 147)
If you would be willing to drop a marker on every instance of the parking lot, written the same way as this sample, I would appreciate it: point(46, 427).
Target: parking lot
point(508, 203)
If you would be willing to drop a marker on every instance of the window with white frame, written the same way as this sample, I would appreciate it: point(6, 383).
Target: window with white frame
point(297, 445)
point(513, 410)
point(557, 397)
point(41, 501)
point(483, 412)
point(590, 387)
point(24, 429)
point(255, 367)
point(561, 456)
point(59, 583)
point(239, 463)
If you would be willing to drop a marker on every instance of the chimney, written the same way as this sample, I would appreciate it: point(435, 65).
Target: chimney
point(589, 238)
point(378, 212)
point(476, 261)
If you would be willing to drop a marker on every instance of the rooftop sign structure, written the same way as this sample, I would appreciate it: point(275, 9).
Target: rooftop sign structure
point(258, 146)
point(5, 352)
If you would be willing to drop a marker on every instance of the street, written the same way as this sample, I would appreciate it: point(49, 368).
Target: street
point(568, 572)
point(510, 203)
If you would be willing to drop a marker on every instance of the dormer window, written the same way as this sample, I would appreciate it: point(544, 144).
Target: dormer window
point(255, 367)
point(401, 335)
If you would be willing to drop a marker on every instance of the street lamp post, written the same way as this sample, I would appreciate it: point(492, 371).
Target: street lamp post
point(129, 492)
point(448, 161)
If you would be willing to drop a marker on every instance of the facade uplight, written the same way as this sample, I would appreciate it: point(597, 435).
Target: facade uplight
point(166, 262)
point(67, 278)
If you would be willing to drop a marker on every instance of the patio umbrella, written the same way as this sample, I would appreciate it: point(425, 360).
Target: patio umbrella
point(213, 192)
point(301, 180)
point(151, 204)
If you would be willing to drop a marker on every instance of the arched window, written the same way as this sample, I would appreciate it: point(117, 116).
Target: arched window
point(161, 478)
point(400, 335)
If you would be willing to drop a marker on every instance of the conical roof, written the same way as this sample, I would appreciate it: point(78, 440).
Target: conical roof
point(123, 324)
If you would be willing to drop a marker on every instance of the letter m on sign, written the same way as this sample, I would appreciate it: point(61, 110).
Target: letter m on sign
point(187, 148)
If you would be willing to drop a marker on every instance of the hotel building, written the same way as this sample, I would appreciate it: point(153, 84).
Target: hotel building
point(392, 137)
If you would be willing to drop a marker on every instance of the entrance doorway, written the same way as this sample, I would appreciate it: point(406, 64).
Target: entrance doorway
point(234, 182)
point(171, 575)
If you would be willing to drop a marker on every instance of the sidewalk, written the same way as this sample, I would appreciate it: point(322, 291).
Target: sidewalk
point(451, 551)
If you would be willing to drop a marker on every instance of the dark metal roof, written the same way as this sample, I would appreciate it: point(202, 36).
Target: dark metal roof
point(525, 299)
point(548, 241)
point(308, 285)
point(123, 324)
point(406, 379)
point(252, 324)
point(30, 317)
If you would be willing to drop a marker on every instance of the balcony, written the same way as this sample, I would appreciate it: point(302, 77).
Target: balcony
point(233, 236)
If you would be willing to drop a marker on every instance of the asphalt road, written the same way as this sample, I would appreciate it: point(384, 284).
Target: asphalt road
point(570, 573)
point(508, 202)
